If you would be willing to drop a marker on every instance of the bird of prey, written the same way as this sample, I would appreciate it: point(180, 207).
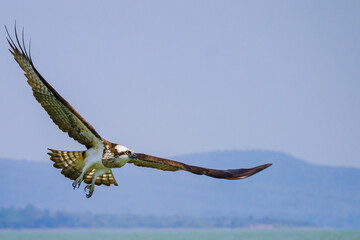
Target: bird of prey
point(94, 165)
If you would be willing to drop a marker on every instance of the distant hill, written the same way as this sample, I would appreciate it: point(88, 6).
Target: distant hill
point(290, 189)
point(31, 217)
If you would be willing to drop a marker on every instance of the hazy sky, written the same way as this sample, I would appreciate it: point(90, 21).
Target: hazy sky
point(174, 77)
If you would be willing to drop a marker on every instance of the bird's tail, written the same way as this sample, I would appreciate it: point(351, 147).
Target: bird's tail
point(71, 162)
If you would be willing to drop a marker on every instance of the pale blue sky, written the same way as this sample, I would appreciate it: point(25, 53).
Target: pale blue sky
point(174, 77)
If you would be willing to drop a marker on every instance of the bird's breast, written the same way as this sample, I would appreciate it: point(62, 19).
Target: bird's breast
point(114, 162)
point(94, 156)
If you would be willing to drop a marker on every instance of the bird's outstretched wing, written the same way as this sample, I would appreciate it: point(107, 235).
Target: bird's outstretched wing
point(144, 160)
point(59, 110)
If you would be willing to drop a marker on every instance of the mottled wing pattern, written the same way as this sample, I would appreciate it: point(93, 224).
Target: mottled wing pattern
point(145, 160)
point(59, 110)
point(106, 179)
point(71, 163)
point(160, 166)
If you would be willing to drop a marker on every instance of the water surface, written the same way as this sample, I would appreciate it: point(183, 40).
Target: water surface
point(179, 234)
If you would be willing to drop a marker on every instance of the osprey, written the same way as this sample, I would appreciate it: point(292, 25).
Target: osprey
point(93, 166)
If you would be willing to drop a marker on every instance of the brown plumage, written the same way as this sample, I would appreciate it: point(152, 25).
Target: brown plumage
point(106, 179)
point(59, 110)
point(144, 160)
point(93, 166)
point(72, 164)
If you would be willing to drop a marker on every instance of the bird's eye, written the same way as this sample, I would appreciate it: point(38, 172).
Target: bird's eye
point(127, 152)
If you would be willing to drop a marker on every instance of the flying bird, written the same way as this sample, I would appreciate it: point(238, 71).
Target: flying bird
point(94, 165)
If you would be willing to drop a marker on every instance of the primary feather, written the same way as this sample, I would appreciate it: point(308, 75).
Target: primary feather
point(59, 110)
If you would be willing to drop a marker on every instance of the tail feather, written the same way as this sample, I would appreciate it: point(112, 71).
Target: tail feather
point(71, 162)
point(106, 179)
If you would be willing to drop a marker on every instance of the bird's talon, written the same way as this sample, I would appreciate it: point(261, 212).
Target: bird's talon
point(91, 190)
point(76, 184)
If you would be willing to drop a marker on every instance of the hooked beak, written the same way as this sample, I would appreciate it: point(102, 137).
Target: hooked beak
point(132, 156)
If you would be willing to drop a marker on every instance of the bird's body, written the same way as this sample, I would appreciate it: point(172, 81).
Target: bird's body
point(93, 166)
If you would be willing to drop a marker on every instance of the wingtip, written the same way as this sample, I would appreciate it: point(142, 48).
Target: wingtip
point(244, 173)
point(13, 53)
point(264, 166)
point(267, 165)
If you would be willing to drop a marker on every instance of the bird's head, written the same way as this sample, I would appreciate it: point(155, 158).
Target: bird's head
point(124, 153)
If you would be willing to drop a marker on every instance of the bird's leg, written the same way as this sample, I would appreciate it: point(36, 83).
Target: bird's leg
point(91, 187)
point(77, 182)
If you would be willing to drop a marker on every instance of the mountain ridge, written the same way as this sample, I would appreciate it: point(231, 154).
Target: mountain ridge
point(290, 189)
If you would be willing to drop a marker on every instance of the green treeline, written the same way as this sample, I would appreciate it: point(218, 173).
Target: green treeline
point(31, 217)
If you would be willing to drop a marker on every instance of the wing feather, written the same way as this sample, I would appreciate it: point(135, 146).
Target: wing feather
point(145, 160)
point(106, 179)
point(59, 110)
point(164, 167)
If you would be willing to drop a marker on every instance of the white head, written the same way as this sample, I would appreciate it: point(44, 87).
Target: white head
point(124, 152)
